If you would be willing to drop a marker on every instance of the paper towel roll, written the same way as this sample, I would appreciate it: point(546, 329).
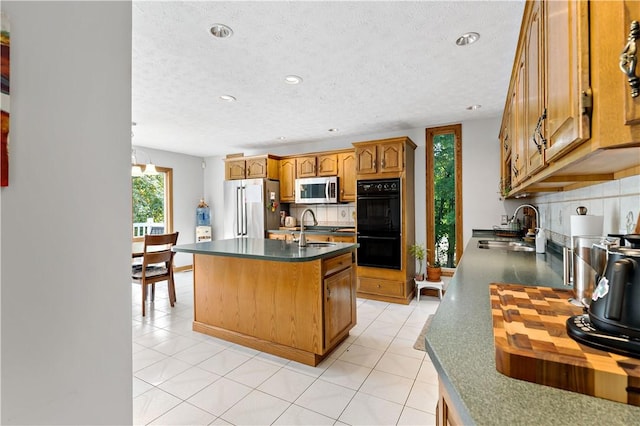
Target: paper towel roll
point(586, 225)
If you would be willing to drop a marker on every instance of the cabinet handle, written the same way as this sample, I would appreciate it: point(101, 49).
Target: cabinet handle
point(328, 292)
point(506, 144)
point(537, 133)
point(382, 163)
point(629, 59)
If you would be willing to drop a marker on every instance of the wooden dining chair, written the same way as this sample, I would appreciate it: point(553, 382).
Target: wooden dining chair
point(157, 265)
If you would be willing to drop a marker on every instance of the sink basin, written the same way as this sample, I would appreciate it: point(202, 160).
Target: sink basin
point(319, 244)
point(505, 245)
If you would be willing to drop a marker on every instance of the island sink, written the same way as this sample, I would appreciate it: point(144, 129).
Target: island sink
point(505, 245)
point(318, 244)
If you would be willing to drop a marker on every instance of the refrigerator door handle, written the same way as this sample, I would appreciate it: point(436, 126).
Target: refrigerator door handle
point(238, 210)
point(244, 211)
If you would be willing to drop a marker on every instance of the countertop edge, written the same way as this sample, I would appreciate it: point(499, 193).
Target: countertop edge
point(259, 249)
point(460, 344)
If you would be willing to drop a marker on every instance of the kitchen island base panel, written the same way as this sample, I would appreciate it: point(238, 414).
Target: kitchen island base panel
point(297, 310)
point(293, 354)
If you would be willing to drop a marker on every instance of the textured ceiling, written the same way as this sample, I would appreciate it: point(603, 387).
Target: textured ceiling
point(368, 67)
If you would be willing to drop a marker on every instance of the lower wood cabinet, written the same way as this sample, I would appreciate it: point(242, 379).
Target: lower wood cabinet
point(381, 287)
point(445, 411)
point(296, 310)
point(339, 299)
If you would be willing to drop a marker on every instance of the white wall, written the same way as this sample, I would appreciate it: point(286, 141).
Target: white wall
point(188, 189)
point(214, 193)
point(481, 202)
point(65, 284)
point(482, 206)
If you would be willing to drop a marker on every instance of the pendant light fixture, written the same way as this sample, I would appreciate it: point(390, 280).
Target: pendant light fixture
point(136, 169)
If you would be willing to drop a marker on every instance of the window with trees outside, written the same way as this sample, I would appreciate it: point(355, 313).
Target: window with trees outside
point(444, 195)
point(152, 203)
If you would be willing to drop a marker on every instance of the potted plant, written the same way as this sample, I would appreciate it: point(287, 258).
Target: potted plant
point(434, 272)
point(418, 252)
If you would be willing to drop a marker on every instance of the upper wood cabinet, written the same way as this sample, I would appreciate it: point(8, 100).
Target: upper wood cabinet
point(506, 139)
point(287, 180)
point(580, 122)
point(616, 113)
point(383, 156)
point(347, 176)
point(235, 169)
point(320, 165)
point(327, 165)
point(264, 166)
point(519, 148)
point(534, 129)
point(306, 166)
point(567, 74)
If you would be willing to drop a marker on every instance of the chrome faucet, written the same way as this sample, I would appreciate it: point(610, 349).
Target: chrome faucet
point(541, 239)
point(302, 242)
point(523, 206)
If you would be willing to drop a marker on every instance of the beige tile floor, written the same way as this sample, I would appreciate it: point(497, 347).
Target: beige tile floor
point(375, 377)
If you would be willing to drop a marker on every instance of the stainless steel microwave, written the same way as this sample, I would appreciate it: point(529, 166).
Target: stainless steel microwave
point(317, 190)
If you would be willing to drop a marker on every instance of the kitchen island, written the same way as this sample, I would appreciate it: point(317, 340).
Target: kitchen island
point(460, 344)
point(295, 302)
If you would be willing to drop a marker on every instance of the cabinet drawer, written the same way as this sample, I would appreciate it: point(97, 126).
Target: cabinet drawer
point(343, 238)
point(336, 264)
point(382, 287)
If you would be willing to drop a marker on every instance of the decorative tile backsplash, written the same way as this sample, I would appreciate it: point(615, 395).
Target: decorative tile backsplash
point(327, 214)
point(618, 201)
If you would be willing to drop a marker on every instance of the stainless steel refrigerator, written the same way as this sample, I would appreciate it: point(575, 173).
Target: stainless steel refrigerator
point(251, 207)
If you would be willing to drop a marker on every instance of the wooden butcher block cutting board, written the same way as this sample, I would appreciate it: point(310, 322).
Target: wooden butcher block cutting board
point(531, 341)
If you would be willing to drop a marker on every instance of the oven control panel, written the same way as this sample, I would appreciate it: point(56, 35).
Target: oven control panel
point(382, 186)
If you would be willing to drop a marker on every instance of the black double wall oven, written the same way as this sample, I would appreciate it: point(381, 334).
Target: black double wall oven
point(379, 223)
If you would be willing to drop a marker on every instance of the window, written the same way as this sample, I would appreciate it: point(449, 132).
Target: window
point(152, 203)
point(444, 195)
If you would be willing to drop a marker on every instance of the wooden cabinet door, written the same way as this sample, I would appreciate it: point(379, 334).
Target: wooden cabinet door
point(631, 13)
point(235, 170)
point(505, 149)
point(391, 157)
point(256, 168)
point(534, 76)
point(347, 176)
point(339, 305)
point(366, 157)
point(567, 74)
point(518, 155)
point(287, 180)
point(305, 167)
point(327, 165)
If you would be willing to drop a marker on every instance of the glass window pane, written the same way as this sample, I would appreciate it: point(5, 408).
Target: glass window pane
point(444, 174)
point(149, 205)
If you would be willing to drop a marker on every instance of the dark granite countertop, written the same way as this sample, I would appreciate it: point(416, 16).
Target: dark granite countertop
point(460, 345)
point(265, 249)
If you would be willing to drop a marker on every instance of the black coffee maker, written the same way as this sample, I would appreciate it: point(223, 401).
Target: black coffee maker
point(613, 319)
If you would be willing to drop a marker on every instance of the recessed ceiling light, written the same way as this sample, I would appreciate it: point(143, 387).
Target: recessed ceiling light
point(281, 138)
point(221, 31)
point(474, 107)
point(467, 38)
point(228, 98)
point(333, 129)
point(293, 79)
